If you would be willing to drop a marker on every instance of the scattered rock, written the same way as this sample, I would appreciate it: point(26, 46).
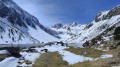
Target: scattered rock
point(117, 33)
point(62, 44)
point(19, 66)
point(33, 47)
point(30, 50)
point(117, 44)
point(89, 25)
point(118, 54)
point(49, 43)
point(46, 50)
point(112, 61)
point(86, 44)
point(28, 62)
point(112, 47)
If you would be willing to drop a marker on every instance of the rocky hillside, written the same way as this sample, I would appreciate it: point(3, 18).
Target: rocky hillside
point(105, 23)
point(18, 26)
point(110, 37)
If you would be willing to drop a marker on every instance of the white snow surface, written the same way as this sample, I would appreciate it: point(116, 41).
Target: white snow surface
point(52, 48)
point(41, 35)
point(4, 52)
point(30, 56)
point(9, 62)
point(72, 58)
point(104, 56)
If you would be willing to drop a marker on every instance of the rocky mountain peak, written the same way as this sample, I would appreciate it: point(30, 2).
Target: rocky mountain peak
point(108, 14)
point(101, 15)
point(73, 24)
point(57, 26)
point(115, 11)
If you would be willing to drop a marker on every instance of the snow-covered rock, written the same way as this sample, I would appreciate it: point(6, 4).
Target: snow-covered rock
point(69, 31)
point(57, 26)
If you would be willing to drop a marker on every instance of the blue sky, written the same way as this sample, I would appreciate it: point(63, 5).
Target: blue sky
point(50, 12)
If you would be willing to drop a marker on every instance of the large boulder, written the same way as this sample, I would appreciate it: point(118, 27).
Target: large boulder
point(117, 33)
point(57, 26)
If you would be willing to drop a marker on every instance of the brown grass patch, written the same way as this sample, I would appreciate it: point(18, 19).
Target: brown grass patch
point(52, 59)
point(88, 52)
point(55, 60)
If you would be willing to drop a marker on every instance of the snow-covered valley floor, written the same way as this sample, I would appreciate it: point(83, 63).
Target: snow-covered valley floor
point(31, 57)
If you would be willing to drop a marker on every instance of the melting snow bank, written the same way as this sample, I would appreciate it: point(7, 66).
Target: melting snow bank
point(33, 56)
point(104, 56)
point(72, 58)
point(9, 62)
point(30, 57)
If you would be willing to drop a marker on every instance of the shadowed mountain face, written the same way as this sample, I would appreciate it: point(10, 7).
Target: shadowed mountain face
point(15, 18)
point(18, 17)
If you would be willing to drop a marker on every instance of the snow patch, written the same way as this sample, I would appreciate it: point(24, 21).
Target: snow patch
point(30, 56)
point(9, 62)
point(4, 52)
point(72, 58)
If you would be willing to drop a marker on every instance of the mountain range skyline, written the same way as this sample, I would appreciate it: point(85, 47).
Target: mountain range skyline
point(65, 11)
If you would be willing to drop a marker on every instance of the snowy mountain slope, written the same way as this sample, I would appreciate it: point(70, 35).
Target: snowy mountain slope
point(41, 35)
point(11, 35)
point(104, 21)
point(21, 20)
point(66, 32)
point(76, 33)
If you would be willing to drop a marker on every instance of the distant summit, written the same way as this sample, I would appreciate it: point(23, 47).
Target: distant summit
point(57, 26)
point(73, 24)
